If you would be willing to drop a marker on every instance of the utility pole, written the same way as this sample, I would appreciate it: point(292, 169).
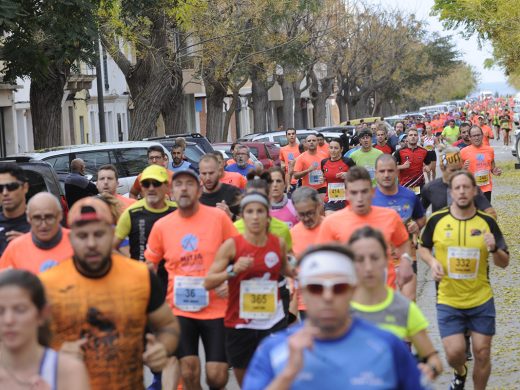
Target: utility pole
point(100, 98)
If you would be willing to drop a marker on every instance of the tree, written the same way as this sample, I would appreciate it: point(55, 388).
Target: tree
point(44, 41)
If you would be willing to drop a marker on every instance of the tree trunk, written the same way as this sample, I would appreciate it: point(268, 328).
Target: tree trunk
point(46, 98)
point(259, 88)
point(298, 110)
point(288, 103)
point(172, 109)
point(319, 100)
point(215, 94)
point(342, 106)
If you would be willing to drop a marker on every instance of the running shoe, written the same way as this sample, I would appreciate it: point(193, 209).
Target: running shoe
point(458, 381)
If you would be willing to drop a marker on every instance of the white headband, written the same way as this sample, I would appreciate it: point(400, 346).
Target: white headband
point(250, 198)
point(327, 262)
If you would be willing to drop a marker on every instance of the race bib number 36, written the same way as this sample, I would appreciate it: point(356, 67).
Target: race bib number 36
point(463, 262)
point(258, 299)
point(189, 293)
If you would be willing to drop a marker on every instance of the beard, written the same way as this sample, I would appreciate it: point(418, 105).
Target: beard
point(97, 269)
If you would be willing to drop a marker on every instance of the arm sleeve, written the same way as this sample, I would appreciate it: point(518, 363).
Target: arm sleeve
point(397, 157)
point(426, 238)
point(92, 189)
point(156, 295)
point(350, 163)
point(298, 165)
point(124, 225)
point(416, 320)
point(497, 233)
point(136, 187)
point(425, 196)
point(260, 373)
point(154, 248)
point(6, 261)
point(325, 234)
point(418, 209)
point(481, 202)
point(400, 234)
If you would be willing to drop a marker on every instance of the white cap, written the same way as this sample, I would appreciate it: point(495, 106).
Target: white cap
point(327, 262)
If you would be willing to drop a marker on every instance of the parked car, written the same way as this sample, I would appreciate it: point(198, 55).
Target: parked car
point(41, 177)
point(515, 149)
point(130, 158)
point(197, 138)
point(225, 149)
point(336, 129)
point(268, 153)
point(193, 152)
point(277, 137)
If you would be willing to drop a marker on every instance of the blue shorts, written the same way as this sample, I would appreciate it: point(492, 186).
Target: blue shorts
point(480, 319)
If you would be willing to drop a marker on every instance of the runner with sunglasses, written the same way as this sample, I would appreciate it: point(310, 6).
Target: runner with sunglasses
point(251, 263)
point(379, 304)
point(331, 350)
point(13, 188)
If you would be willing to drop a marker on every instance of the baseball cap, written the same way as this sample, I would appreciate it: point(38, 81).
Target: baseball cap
point(88, 210)
point(327, 262)
point(364, 132)
point(154, 172)
point(190, 172)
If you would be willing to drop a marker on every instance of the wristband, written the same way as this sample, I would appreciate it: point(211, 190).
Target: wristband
point(407, 257)
point(494, 250)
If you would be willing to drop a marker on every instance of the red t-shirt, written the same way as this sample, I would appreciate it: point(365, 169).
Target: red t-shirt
point(387, 149)
point(413, 176)
point(332, 168)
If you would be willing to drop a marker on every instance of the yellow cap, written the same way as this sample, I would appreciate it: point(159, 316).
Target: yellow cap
point(154, 172)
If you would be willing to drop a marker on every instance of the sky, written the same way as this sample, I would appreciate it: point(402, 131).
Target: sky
point(469, 49)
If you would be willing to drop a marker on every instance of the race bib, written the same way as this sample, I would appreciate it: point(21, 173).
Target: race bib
point(315, 177)
point(482, 177)
point(336, 191)
point(463, 262)
point(371, 170)
point(258, 299)
point(429, 148)
point(416, 189)
point(189, 293)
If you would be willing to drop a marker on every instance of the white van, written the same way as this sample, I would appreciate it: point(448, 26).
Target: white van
point(434, 109)
point(130, 158)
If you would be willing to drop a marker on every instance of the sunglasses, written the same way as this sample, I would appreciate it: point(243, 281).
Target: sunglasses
point(337, 288)
point(10, 186)
point(148, 183)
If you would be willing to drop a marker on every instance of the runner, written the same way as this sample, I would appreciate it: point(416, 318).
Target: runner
point(242, 165)
point(450, 134)
point(464, 136)
point(179, 162)
point(331, 350)
point(379, 304)
point(288, 155)
point(13, 189)
point(334, 170)
point(26, 362)
point(77, 186)
point(390, 194)
point(156, 156)
point(46, 244)
point(462, 238)
point(188, 240)
point(367, 155)
point(109, 301)
point(323, 147)
point(251, 263)
point(412, 162)
point(307, 166)
point(429, 142)
point(281, 206)
point(338, 227)
point(437, 194)
point(505, 125)
point(480, 161)
point(488, 132)
point(214, 193)
point(232, 178)
point(107, 182)
point(382, 141)
point(309, 207)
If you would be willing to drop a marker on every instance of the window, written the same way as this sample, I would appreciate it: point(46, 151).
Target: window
point(93, 160)
point(254, 150)
point(280, 139)
point(132, 161)
point(60, 164)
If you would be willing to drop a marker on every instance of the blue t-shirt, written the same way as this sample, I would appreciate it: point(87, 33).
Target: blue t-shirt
point(243, 171)
point(405, 202)
point(184, 166)
point(364, 358)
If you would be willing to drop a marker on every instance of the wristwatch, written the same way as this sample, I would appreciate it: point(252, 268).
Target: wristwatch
point(230, 272)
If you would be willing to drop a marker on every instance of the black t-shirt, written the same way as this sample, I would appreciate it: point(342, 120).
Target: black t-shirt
point(436, 193)
point(228, 193)
point(18, 224)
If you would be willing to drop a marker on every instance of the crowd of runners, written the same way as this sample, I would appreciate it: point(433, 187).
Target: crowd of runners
point(302, 276)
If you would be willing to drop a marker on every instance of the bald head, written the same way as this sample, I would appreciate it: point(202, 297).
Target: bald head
point(77, 165)
point(44, 214)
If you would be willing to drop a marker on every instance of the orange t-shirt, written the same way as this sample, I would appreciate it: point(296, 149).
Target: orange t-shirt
point(110, 312)
point(188, 246)
point(480, 164)
point(124, 201)
point(136, 188)
point(232, 161)
point(305, 161)
point(302, 239)
point(21, 253)
point(488, 134)
point(338, 227)
point(234, 179)
point(289, 153)
point(324, 149)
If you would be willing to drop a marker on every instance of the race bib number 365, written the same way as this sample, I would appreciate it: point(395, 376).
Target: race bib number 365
point(258, 299)
point(189, 293)
point(463, 262)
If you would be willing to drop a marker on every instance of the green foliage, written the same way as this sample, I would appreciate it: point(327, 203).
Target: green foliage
point(47, 34)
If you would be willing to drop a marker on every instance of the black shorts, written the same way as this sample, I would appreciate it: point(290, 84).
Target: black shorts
point(432, 155)
point(210, 331)
point(335, 206)
point(241, 344)
point(322, 190)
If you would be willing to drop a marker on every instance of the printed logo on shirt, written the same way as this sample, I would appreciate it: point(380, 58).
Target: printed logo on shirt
point(48, 264)
point(475, 232)
point(480, 157)
point(271, 259)
point(367, 378)
point(190, 242)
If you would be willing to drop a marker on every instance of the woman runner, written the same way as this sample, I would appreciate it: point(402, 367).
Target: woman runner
point(251, 263)
point(281, 206)
point(429, 141)
point(25, 361)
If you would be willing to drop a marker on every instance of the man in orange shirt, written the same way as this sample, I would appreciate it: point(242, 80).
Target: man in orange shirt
point(338, 227)
point(488, 133)
point(107, 182)
point(156, 156)
point(232, 178)
point(46, 244)
point(288, 155)
point(479, 159)
point(323, 146)
point(308, 166)
point(188, 240)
